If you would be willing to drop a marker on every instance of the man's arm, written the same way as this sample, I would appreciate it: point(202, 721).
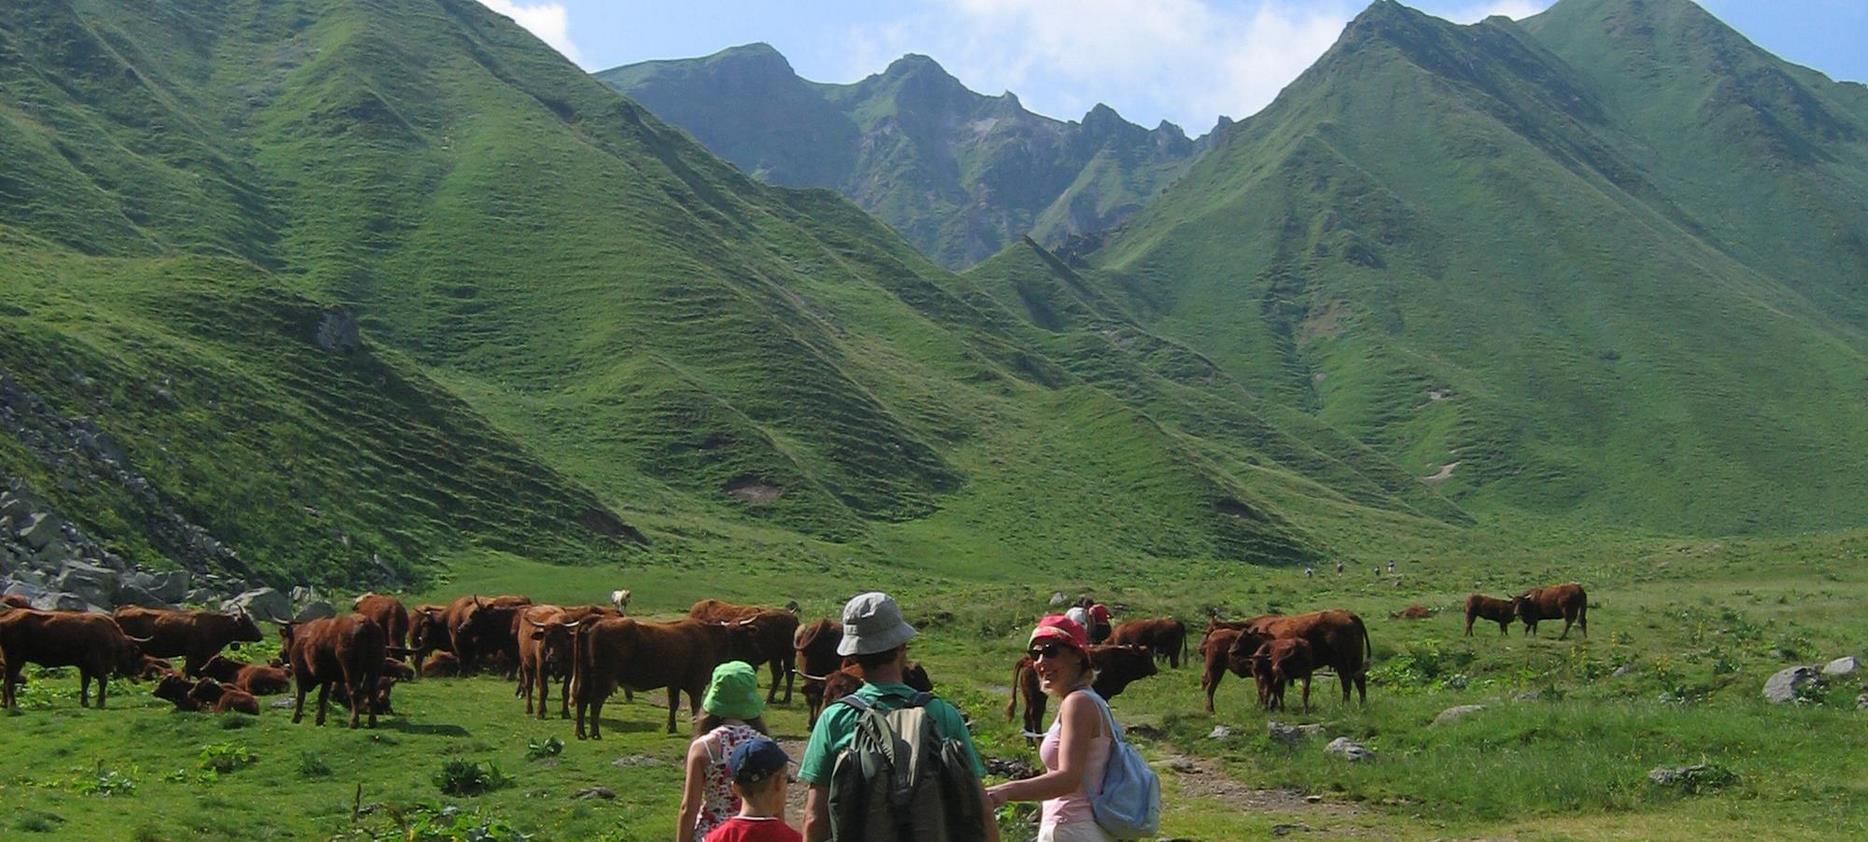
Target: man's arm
point(988, 818)
point(817, 814)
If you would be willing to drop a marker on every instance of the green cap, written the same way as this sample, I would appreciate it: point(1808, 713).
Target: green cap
point(734, 692)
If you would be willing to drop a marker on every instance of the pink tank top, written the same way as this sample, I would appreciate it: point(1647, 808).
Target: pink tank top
point(1075, 807)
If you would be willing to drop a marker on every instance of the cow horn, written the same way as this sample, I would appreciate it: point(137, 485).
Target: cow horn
point(477, 603)
point(535, 623)
point(141, 641)
point(748, 621)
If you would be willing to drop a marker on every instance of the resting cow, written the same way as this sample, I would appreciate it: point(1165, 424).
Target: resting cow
point(214, 696)
point(347, 650)
point(814, 645)
point(613, 652)
point(1165, 635)
point(1117, 666)
point(441, 665)
point(388, 612)
point(1565, 602)
point(257, 679)
point(428, 634)
point(193, 635)
point(1500, 611)
point(93, 643)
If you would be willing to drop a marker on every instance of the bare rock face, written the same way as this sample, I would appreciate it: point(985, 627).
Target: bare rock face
point(95, 585)
point(261, 603)
point(339, 332)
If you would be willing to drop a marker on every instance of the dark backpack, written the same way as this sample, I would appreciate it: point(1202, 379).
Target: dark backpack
point(899, 780)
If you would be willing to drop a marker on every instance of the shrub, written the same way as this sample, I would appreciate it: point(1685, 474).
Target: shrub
point(452, 824)
point(466, 777)
point(108, 783)
point(222, 758)
point(551, 747)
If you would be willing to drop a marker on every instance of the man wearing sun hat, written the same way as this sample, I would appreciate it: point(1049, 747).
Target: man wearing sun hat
point(875, 634)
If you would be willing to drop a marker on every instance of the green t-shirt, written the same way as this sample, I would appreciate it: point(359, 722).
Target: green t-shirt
point(837, 724)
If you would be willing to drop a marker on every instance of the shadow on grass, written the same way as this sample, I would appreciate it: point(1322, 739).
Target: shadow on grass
point(423, 728)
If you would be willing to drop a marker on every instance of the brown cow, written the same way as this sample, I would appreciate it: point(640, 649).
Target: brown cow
point(428, 633)
point(545, 651)
point(767, 636)
point(174, 688)
point(347, 650)
point(1275, 665)
point(93, 643)
point(14, 600)
point(389, 613)
point(1338, 639)
point(718, 610)
point(193, 635)
point(379, 698)
point(441, 665)
point(1566, 602)
point(1215, 653)
point(1165, 635)
point(257, 679)
point(398, 670)
point(814, 646)
point(848, 679)
point(612, 652)
point(1117, 666)
point(153, 668)
point(220, 698)
point(481, 629)
point(1500, 611)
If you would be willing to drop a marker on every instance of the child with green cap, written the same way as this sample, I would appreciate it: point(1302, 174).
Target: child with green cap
point(730, 715)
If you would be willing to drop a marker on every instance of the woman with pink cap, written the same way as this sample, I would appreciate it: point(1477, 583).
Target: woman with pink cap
point(1076, 749)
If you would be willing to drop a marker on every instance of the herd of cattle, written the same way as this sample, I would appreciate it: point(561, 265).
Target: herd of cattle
point(593, 650)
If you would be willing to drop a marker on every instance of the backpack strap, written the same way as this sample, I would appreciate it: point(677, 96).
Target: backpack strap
point(855, 701)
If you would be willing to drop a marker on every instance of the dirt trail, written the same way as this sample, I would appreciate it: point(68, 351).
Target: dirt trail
point(1202, 777)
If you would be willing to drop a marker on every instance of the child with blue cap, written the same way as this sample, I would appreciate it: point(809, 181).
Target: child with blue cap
point(759, 779)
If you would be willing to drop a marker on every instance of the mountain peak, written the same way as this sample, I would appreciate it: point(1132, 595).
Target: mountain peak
point(755, 57)
point(914, 64)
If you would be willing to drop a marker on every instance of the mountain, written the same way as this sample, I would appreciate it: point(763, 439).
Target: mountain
point(334, 286)
point(1606, 264)
point(959, 174)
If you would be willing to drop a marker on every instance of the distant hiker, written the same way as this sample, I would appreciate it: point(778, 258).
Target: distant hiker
point(759, 779)
point(1099, 623)
point(732, 716)
point(847, 761)
point(1391, 565)
point(1079, 747)
point(1309, 571)
point(1339, 567)
point(1079, 614)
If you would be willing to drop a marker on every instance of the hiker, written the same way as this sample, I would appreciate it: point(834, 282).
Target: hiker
point(1339, 567)
point(1309, 571)
point(758, 767)
point(846, 739)
point(1099, 623)
point(731, 716)
point(1075, 750)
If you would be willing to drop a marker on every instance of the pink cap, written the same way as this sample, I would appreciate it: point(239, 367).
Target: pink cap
point(1063, 630)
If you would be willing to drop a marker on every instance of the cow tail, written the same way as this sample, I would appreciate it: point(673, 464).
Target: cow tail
point(1368, 647)
point(1011, 707)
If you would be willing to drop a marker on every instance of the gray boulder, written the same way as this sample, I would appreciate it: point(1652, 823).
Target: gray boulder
point(1861, 702)
point(314, 610)
point(170, 585)
point(1220, 732)
point(1456, 712)
point(60, 602)
point(1694, 778)
point(1290, 734)
point(1057, 598)
point(97, 585)
point(37, 530)
point(262, 603)
point(1350, 749)
point(21, 587)
point(1846, 665)
point(14, 505)
point(1788, 683)
point(304, 594)
point(128, 594)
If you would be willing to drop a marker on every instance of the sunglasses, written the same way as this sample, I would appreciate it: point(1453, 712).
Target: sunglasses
point(1045, 650)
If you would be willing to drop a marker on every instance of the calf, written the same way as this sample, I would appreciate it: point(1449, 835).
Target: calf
point(193, 635)
point(174, 688)
point(1215, 653)
point(1117, 666)
point(257, 679)
point(1276, 664)
point(814, 647)
point(389, 613)
point(441, 665)
point(379, 697)
point(1165, 635)
point(219, 698)
point(93, 643)
point(611, 652)
point(1338, 639)
point(347, 651)
point(1566, 602)
point(849, 678)
point(1500, 611)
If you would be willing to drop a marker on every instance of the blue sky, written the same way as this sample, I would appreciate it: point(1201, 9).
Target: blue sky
point(1187, 61)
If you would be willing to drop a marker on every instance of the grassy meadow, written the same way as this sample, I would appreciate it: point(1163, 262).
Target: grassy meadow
point(1560, 751)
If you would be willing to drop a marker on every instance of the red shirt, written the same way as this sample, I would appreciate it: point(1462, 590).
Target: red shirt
point(745, 829)
point(1099, 614)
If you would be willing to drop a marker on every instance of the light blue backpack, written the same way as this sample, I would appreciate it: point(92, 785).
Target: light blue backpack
point(1129, 805)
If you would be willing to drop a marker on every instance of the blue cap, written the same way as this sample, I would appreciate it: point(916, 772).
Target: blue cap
point(756, 759)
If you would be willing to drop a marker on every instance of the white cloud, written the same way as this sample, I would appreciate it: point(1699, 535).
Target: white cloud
point(1514, 9)
point(548, 21)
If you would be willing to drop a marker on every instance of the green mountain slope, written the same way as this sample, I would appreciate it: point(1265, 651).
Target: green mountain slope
point(959, 174)
point(1487, 263)
point(594, 315)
